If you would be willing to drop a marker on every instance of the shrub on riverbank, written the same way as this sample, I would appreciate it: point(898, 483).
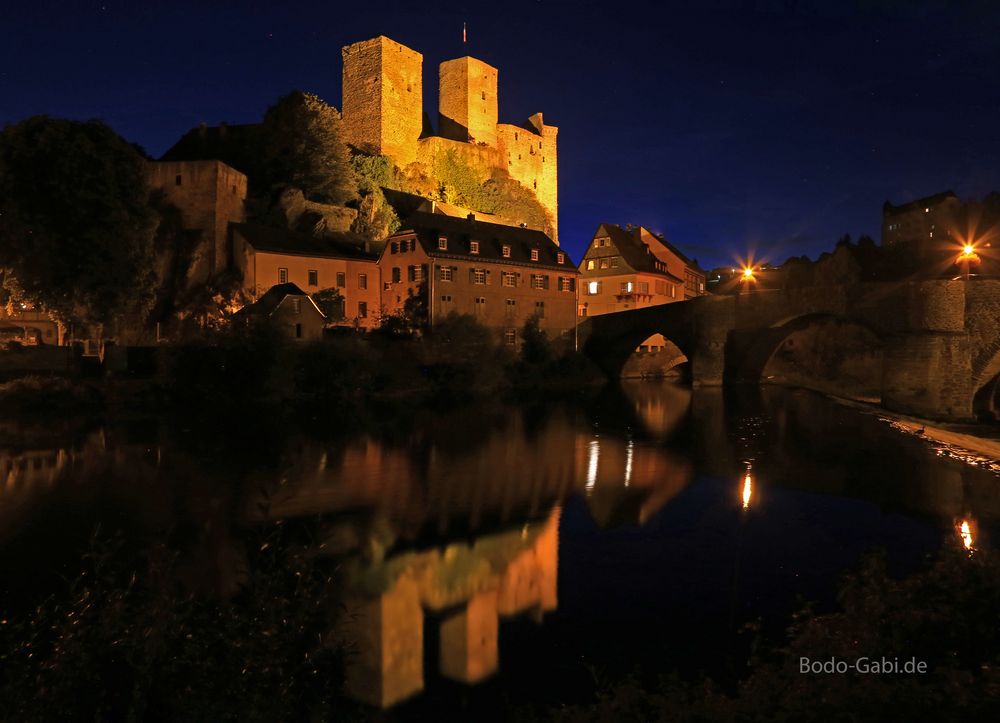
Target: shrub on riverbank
point(125, 643)
point(945, 616)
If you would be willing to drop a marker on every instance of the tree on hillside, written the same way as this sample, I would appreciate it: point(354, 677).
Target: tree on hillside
point(302, 146)
point(75, 221)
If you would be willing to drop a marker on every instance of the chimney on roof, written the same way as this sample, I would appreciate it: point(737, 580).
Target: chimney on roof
point(471, 217)
point(434, 206)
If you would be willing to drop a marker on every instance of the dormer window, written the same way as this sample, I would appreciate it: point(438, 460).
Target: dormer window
point(442, 244)
point(534, 254)
point(561, 257)
point(473, 247)
point(505, 251)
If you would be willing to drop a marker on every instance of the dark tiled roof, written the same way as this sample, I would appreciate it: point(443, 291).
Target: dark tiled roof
point(634, 251)
point(269, 302)
point(920, 202)
point(492, 237)
point(341, 246)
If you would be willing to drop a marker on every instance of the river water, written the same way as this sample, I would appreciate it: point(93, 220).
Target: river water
point(526, 549)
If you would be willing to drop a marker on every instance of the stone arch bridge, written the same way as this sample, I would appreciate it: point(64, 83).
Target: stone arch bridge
point(940, 339)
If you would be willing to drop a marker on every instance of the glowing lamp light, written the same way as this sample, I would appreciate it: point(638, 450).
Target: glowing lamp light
point(748, 273)
point(747, 490)
point(968, 250)
point(965, 535)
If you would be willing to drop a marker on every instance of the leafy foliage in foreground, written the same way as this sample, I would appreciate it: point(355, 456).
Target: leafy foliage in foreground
point(946, 616)
point(125, 643)
point(76, 220)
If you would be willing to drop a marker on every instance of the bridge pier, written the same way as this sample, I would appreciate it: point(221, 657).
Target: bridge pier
point(714, 317)
point(928, 374)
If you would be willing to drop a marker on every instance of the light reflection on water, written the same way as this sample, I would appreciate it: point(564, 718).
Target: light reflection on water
point(602, 520)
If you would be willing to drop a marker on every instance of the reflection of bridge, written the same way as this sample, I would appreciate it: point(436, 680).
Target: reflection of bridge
point(939, 341)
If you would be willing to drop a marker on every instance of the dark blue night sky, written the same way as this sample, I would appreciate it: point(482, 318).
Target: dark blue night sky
point(775, 126)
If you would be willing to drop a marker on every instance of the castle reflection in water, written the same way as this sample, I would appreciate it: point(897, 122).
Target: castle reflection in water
point(457, 519)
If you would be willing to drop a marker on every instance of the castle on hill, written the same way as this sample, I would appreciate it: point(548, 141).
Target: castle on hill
point(382, 112)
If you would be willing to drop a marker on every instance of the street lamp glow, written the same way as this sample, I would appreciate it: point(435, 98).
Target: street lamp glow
point(968, 250)
point(748, 273)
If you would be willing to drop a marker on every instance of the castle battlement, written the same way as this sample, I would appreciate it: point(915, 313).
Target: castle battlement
point(382, 111)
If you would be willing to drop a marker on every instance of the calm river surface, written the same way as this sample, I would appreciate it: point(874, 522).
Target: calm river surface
point(529, 547)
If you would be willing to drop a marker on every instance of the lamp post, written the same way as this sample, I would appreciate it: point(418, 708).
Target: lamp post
point(746, 279)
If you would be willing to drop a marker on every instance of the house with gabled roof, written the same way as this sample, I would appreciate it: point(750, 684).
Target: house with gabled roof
point(502, 275)
point(633, 267)
point(288, 307)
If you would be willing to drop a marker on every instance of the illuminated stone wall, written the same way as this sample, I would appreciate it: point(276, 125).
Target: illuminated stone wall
point(467, 101)
point(383, 98)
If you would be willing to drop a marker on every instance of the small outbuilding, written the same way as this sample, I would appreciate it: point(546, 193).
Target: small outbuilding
point(290, 308)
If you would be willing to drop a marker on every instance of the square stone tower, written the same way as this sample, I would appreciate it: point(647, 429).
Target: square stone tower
point(467, 101)
point(383, 98)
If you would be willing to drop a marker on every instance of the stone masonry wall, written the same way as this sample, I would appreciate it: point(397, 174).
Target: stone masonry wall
point(383, 98)
point(467, 101)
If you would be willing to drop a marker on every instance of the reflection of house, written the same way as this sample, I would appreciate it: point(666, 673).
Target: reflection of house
point(633, 267)
point(290, 308)
point(502, 275)
point(28, 325)
point(267, 256)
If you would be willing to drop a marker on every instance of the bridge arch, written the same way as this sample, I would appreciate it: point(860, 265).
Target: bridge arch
point(819, 350)
point(612, 339)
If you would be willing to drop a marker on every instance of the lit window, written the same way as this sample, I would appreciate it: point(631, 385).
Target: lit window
point(505, 251)
point(282, 276)
point(927, 210)
point(473, 247)
point(604, 263)
point(566, 283)
point(561, 258)
point(508, 278)
point(313, 277)
point(590, 265)
point(446, 273)
point(534, 254)
point(479, 276)
point(626, 287)
point(442, 244)
point(594, 287)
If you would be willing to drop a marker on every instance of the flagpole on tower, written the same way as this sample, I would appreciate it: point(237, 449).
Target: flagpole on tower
point(464, 34)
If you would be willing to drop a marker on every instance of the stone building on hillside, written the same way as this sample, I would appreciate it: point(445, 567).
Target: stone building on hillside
point(929, 221)
point(209, 195)
point(266, 257)
point(502, 275)
point(383, 114)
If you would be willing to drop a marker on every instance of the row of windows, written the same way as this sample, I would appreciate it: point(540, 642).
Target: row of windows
point(312, 276)
point(633, 287)
point(606, 262)
point(509, 279)
point(510, 305)
point(410, 244)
